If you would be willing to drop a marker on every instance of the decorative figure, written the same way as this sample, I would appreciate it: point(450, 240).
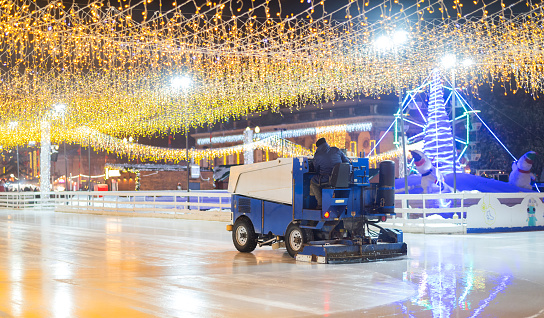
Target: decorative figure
point(432, 180)
point(490, 214)
point(521, 175)
point(531, 212)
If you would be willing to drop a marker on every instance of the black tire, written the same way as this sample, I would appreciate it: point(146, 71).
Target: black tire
point(243, 235)
point(295, 238)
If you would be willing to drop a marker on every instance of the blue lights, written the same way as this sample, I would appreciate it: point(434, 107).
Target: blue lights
point(413, 122)
point(438, 288)
point(438, 139)
point(483, 304)
point(388, 129)
point(486, 126)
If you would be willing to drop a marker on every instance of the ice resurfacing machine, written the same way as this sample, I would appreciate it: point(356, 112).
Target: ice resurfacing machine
point(272, 205)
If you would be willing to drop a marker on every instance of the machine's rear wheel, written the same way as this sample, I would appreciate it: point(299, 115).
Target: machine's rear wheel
point(295, 238)
point(243, 235)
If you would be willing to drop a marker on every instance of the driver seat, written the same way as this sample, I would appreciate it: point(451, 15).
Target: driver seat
point(340, 175)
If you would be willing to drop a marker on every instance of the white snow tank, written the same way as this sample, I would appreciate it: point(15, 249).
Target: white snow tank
point(271, 180)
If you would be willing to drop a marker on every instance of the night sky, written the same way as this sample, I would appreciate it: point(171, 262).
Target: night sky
point(296, 6)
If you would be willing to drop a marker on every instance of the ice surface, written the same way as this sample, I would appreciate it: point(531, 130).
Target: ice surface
point(73, 265)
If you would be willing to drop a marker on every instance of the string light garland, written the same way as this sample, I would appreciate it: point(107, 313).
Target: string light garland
point(392, 154)
point(289, 133)
point(334, 138)
point(114, 66)
point(88, 137)
point(152, 153)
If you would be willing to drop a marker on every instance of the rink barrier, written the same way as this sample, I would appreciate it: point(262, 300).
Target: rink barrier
point(467, 212)
point(195, 205)
point(458, 213)
point(27, 200)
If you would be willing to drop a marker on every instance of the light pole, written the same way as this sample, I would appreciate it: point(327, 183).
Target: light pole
point(404, 160)
point(182, 83)
point(454, 152)
point(89, 183)
point(187, 157)
point(248, 140)
point(18, 171)
point(384, 44)
point(450, 61)
point(281, 138)
point(66, 184)
point(13, 125)
point(57, 111)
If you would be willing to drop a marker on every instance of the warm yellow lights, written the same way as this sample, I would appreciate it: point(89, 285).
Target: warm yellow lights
point(99, 141)
point(334, 138)
point(123, 74)
point(114, 173)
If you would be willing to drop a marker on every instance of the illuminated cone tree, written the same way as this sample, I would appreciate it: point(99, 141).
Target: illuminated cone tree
point(438, 140)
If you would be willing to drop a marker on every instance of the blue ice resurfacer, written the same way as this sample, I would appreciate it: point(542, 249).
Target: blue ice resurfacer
point(272, 205)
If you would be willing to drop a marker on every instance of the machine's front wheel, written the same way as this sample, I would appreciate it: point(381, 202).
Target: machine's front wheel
point(295, 238)
point(243, 235)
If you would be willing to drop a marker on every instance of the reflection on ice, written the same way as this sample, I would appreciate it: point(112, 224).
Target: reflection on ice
point(446, 290)
point(16, 276)
point(452, 290)
point(505, 281)
point(63, 301)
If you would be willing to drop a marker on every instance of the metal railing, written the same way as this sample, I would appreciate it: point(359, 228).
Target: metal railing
point(448, 212)
point(430, 213)
point(202, 205)
point(416, 213)
point(207, 205)
point(26, 200)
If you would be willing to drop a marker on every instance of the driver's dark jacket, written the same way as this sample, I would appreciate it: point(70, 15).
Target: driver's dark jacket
point(325, 158)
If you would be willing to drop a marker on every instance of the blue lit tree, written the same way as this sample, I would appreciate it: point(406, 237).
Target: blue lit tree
point(438, 140)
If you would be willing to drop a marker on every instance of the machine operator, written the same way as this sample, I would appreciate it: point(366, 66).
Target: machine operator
point(325, 158)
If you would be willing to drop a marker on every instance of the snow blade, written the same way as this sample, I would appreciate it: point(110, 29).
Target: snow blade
point(344, 251)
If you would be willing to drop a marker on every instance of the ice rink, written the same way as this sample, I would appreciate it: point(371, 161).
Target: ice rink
point(76, 265)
